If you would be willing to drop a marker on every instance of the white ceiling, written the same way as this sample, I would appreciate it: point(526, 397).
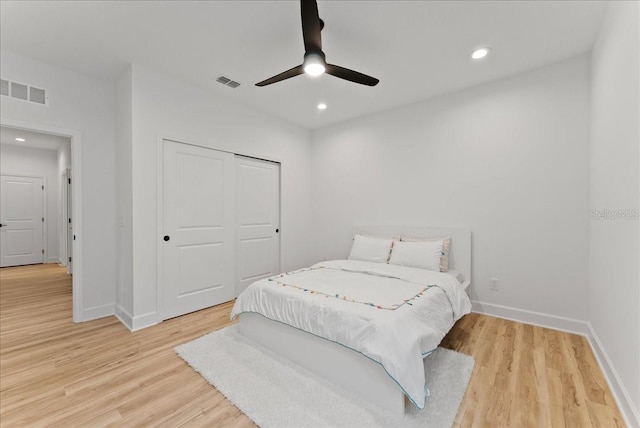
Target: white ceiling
point(417, 49)
point(34, 140)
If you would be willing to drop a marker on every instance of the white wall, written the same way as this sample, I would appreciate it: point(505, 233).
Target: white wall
point(124, 149)
point(87, 105)
point(509, 159)
point(166, 108)
point(43, 163)
point(614, 281)
point(64, 162)
point(64, 157)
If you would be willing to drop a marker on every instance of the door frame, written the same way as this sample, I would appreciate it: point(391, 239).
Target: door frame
point(45, 234)
point(76, 174)
point(160, 311)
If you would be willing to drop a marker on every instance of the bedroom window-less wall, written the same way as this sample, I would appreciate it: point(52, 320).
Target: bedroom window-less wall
point(220, 226)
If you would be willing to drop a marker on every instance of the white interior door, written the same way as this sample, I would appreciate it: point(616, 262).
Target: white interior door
point(258, 202)
point(21, 220)
point(198, 216)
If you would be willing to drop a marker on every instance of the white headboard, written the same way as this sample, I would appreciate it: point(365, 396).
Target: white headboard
point(459, 254)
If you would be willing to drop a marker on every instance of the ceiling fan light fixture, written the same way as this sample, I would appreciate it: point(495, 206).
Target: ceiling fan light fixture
point(314, 64)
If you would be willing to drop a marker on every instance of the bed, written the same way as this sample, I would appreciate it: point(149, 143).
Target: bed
point(365, 325)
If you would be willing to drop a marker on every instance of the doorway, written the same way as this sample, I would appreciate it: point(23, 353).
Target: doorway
point(29, 144)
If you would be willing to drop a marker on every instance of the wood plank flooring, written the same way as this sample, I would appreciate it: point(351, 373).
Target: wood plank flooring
point(56, 373)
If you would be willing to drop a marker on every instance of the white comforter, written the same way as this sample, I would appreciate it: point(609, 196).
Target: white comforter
point(392, 314)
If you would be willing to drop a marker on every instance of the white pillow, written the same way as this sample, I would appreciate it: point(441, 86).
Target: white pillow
point(446, 246)
point(369, 249)
point(422, 254)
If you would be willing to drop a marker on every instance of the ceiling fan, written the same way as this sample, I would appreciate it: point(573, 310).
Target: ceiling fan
point(314, 63)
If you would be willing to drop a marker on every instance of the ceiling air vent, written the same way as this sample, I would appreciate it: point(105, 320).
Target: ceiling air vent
point(227, 82)
point(23, 92)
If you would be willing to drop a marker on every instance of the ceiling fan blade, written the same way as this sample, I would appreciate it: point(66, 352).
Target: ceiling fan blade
point(350, 75)
point(292, 72)
point(311, 26)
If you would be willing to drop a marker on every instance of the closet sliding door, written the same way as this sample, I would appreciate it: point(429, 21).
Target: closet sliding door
point(221, 226)
point(258, 220)
point(199, 222)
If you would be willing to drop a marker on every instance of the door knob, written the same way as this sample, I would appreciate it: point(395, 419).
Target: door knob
point(277, 230)
point(166, 237)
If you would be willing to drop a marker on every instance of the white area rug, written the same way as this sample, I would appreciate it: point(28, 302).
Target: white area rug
point(274, 392)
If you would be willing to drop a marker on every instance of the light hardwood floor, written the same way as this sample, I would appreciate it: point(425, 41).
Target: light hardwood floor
point(56, 373)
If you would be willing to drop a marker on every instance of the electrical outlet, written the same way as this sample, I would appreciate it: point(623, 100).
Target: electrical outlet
point(493, 284)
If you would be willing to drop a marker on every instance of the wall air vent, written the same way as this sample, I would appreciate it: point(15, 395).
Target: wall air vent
point(4, 87)
point(19, 91)
point(227, 82)
point(23, 92)
point(37, 95)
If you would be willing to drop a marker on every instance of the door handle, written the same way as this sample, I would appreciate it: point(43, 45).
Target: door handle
point(277, 230)
point(2, 225)
point(166, 237)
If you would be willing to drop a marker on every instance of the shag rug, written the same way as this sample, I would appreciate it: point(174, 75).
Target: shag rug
point(274, 392)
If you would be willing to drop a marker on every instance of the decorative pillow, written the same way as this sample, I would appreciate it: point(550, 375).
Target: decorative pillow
point(419, 254)
point(446, 245)
point(370, 249)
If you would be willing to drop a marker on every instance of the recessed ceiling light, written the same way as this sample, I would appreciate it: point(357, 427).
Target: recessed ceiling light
point(22, 140)
point(480, 53)
point(322, 106)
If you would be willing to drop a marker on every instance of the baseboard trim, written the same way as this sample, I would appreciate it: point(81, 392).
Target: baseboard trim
point(124, 317)
point(629, 412)
point(144, 321)
point(540, 319)
point(138, 322)
point(96, 312)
